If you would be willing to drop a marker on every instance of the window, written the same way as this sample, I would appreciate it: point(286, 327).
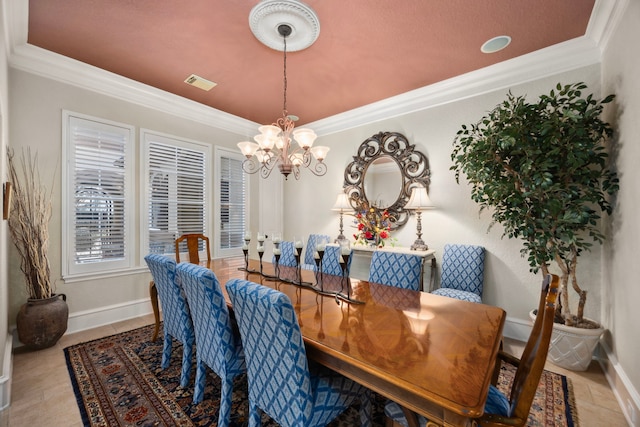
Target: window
point(177, 190)
point(97, 177)
point(231, 216)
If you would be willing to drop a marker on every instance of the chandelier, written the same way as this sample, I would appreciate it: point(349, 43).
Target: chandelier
point(274, 145)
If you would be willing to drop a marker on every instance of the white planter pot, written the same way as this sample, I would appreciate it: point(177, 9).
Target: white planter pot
point(572, 348)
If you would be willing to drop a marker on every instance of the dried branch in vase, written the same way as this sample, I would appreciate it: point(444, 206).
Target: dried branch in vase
point(29, 223)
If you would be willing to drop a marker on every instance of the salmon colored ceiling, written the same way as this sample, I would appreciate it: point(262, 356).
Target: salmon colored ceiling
point(367, 50)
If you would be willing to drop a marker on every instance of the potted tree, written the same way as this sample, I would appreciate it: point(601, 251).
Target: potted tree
point(542, 169)
point(42, 320)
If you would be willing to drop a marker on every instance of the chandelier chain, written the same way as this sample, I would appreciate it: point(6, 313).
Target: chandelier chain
point(284, 37)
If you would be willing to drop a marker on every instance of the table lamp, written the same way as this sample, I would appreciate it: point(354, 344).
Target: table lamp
point(342, 205)
point(419, 201)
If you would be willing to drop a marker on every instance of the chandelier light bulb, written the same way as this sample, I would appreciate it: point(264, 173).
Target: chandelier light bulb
point(248, 148)
point(319, 152)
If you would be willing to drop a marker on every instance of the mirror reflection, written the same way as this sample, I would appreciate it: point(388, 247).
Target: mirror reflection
point(382, 174)
point(382, 182)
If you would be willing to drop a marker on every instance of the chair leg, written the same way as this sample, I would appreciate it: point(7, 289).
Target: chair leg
point(391, 423)
point(153, 295)
point(254, 415)
point(166, 351)
point(187, 354)
point(366, 407)
point(201, 377)
point(224, 415)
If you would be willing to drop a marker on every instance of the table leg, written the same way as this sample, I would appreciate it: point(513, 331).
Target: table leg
point(153, 293)
point(411, 417)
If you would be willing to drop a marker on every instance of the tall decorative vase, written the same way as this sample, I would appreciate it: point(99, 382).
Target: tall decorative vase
point(42, 322)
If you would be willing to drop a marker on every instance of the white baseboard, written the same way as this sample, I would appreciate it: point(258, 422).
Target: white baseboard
point(517, 329)
point(7, 370)
point(90, 319)
point(624, 391)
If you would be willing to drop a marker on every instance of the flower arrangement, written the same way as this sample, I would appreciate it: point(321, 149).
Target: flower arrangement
point(374, 226)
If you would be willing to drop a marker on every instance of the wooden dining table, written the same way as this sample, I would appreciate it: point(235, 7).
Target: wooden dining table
point(433, 355)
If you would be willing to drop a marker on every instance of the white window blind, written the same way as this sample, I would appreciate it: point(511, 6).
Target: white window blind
point(97, 177)
point(177, 190)
point(232, 203)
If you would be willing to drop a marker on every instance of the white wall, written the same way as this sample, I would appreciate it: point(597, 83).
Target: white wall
point(36, 106)
point(508, 282)
point(621, 269)
point(5, 355)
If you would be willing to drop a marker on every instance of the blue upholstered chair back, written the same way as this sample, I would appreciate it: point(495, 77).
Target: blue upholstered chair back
point(396, 269)
point(308, 261)
point(331, 261)
point(287, 254)
point(175, 311)
point(462, 272)
point(280, 381)
point(216, 345)
point(463, 268)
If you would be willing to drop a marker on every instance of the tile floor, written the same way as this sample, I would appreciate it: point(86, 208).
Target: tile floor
point(42, 394)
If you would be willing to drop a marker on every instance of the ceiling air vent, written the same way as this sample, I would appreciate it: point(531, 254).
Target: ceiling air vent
point(200, 82)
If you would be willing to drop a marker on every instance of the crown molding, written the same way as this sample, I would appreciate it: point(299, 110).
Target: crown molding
point(567, 56)
point(556, 59)
point(51, 65)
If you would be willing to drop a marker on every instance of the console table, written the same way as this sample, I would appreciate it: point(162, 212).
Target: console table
point(361, 261)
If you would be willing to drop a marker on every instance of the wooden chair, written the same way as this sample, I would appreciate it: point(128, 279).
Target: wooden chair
point(217, 346)
point(177, 319)
point(283, 383)
point(193, 244)
point(512, 410)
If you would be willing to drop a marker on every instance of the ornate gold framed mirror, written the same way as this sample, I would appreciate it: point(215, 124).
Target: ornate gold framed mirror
point(383, 172)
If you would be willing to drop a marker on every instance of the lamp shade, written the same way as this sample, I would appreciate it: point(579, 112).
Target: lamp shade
point(342, 203)
point(419, 199)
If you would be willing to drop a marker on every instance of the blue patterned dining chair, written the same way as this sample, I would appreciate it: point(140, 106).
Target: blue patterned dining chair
point(175, 311)
point(282, 382)
point(217, 346)
point(287, 254)
point(511, 409)
point(396, 269)
point(462, 272)
point(308, 262)
point(331, 260)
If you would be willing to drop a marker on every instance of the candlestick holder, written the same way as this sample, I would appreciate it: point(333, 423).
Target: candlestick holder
point(298, 254)
point(319, 272)
point(260, 254)
point(276, 267)
point(344, 281)
point(245, 251)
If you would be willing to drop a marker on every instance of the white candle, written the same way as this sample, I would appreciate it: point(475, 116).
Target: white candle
point(277, 239)
point(247, 235)
point(260, 248)
point(277, 251)
point(320, 247)
point(245, 247)
point(298, 244)
point(345, 250)
point(260, 237)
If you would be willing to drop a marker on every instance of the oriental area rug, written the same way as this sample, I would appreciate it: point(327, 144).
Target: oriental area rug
point(118, 382)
